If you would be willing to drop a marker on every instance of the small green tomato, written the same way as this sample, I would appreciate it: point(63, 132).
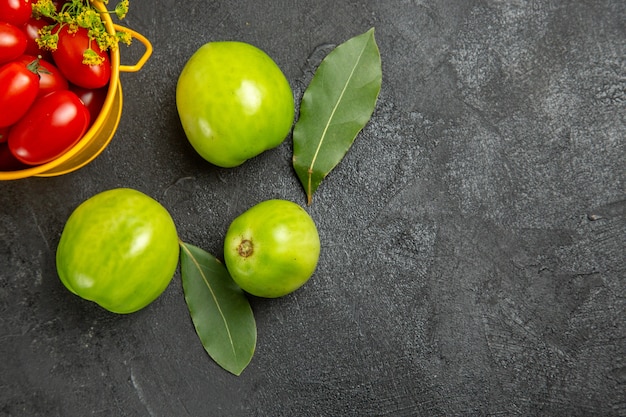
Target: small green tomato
point(119, 249)
point(234, 102)
point(272, 249)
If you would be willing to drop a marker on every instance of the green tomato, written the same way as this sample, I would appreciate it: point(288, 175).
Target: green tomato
point(234, 102)
point(272, 249)
point(119, 249)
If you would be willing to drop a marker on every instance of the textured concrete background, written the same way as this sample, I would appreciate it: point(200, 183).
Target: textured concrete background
point(473, 238)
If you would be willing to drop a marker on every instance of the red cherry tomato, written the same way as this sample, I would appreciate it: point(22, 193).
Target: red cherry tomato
point(18, 89)
point(15, 12)
point(31, 30)
point(50, 128)
point(8, 162)
point(92, 98)
point(12, 42)
point(50, 78)
point(4, 133)
point(69, 59)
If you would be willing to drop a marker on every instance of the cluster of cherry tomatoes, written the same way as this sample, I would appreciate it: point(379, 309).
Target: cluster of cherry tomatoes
point(48, 99)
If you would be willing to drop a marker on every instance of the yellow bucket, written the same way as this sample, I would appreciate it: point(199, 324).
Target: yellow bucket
point(103, 128)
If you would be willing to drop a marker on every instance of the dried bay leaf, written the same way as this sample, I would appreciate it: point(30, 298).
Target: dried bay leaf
point(219, 309)
point(335, 107)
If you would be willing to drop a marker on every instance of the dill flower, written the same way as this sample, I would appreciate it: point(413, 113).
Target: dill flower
point(77, 14)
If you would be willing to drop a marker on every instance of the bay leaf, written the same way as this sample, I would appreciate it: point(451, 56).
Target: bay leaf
point(336, 105)
point(219, 309)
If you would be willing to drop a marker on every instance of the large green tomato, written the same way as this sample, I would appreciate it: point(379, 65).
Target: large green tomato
point(119, 249)
point(234, 102)
point(272, 249)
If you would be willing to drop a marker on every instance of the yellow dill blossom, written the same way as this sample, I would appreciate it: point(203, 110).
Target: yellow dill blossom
point(104, 40)
point(90, 57)
point(65, 17)
point(44, 8)
point(124, 37)
point(121, 9)
point(72, 27)
point(88, 18)
point(47, 39)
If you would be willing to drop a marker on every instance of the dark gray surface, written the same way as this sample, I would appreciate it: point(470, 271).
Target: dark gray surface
point(473, 238)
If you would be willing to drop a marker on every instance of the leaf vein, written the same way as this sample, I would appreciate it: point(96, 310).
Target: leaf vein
point(219, 309)
point(332, 114)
